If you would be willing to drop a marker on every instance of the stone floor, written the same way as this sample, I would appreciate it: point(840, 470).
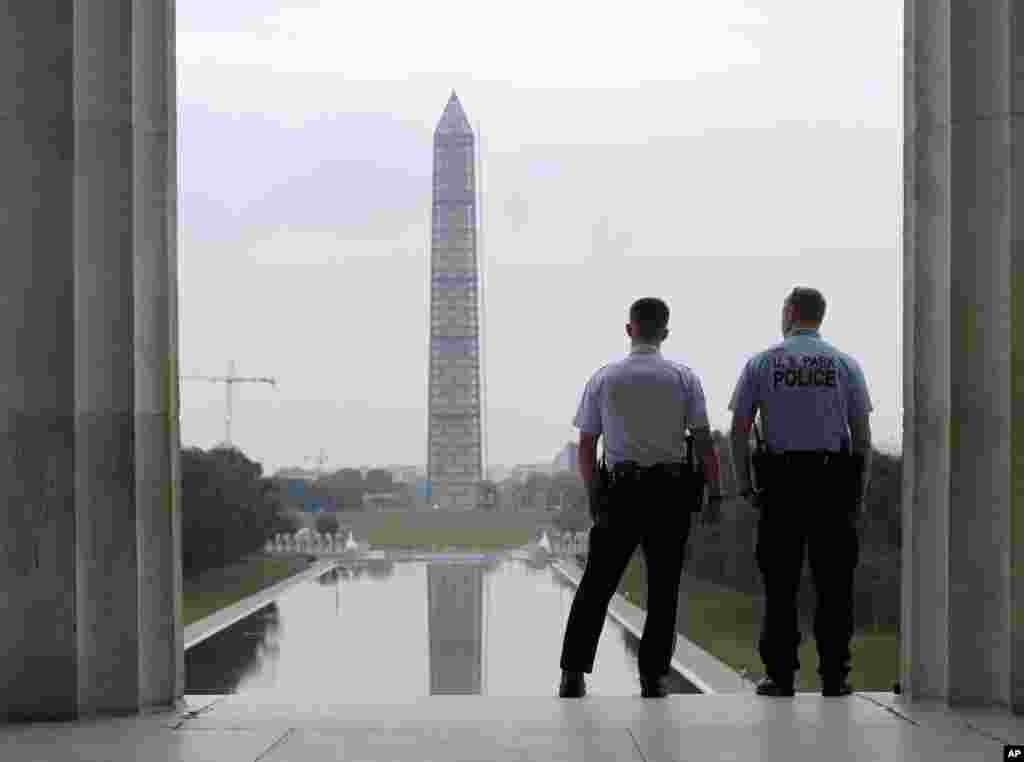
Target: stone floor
point(868, 726)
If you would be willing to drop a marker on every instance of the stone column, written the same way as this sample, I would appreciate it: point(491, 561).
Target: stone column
point(963, 492)
point(90, 562)
point(38, 653)
point(104, 185)
point(168, 52)
point(157, 444)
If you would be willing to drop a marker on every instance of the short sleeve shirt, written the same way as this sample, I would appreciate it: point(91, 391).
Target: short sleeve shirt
point(806, 392)
point(643, 405)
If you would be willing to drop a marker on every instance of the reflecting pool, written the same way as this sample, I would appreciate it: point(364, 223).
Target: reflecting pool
point(379, 630)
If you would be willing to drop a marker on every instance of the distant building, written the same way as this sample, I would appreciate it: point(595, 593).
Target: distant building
point(300, 494)
point(378, 500)
point(422, 487)
point(295, 473)
point(404, 474)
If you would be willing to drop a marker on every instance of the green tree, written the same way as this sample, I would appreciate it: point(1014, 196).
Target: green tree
point(347, 487)
point(379, 480)
point(404, 494)
point(228, 508)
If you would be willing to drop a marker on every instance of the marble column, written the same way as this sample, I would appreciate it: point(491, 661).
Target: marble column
point(90, 562)
point(157, 443)
point(38, 653)
point(107, 547)
point(963, 491)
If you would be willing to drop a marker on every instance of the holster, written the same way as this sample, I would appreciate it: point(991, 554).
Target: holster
point(601, 488)
point(694, 479)
point(760, 463)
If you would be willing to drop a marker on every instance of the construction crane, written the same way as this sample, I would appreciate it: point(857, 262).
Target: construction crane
point(229, 380)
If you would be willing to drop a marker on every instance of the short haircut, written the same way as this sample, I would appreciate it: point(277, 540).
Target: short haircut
point(650, 316)
point(808, 304)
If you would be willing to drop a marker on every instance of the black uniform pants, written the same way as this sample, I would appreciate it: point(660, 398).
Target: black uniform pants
point(646, 511)
point(808, 509)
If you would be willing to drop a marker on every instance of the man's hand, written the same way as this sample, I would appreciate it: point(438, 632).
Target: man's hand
point(712, 513)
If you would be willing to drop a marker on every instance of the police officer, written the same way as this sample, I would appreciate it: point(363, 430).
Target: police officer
point(643, 405)
point(812, 400)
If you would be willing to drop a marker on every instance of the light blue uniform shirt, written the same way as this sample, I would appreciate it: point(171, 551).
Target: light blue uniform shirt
point(643, 406)
point(806, 391)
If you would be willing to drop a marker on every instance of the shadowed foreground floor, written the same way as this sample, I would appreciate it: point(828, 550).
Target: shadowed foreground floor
point(865, 727)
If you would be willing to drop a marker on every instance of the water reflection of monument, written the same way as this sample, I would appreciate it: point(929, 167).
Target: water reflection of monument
point(456, 627)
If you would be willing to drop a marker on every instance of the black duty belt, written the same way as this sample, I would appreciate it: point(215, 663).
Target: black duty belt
point(629, 468)
point(808, 456)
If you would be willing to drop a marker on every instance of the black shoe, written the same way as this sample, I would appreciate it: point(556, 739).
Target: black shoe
point(769, 687)
point(573, 685)
point(653, 687)
point(831, 688)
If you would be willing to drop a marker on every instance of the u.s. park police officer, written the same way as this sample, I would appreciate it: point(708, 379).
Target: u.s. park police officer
point(810, 486)
point(643, 405)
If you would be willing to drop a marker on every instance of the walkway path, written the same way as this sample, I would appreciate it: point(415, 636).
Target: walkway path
point(679, 728)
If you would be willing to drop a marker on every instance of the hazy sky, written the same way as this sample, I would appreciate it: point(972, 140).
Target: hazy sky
point(711, 154)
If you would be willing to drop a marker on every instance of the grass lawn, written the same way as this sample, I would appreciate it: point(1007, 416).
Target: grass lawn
point(726, 623)
point(218, 588)
point(474, 530)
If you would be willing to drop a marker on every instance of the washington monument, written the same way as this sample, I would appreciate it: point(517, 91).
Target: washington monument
point(455, 453)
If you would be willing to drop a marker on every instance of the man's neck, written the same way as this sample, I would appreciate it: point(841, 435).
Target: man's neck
point(637, 343)
point(802, 327)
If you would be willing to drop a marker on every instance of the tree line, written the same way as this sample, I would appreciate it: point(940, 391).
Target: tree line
point(228, 508)
point(342, 490)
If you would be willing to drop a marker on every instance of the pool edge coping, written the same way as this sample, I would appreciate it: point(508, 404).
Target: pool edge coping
point(221, 619)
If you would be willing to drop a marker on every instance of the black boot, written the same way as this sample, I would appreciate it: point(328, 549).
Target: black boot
point(835, 686)
point(770, 687)
point(573, 685)
point(653, 687)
